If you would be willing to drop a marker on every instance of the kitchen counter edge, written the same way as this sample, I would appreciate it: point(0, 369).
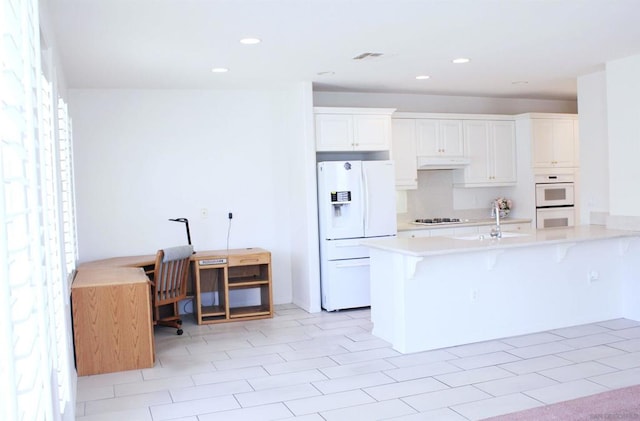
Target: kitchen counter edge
point(434, 246)
point(408, 226)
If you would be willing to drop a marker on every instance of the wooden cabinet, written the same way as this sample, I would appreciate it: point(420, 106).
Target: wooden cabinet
point(403, 153)
point(491, 148)
point(352, 129)
point(554, 142)
point(233, 285)
point(112, 321)
point(441, 138)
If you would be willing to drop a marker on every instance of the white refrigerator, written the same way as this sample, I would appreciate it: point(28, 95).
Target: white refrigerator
point(356, 200)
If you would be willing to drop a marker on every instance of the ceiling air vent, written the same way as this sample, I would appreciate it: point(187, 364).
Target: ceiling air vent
point(366, 56)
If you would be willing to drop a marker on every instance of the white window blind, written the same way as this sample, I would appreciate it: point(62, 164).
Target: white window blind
point(67, 188)
point(29, 394)
point(36, 245)
point(56, 304)
point(69, 256)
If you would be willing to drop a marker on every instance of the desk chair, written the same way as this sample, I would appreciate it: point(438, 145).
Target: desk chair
point(169, 284)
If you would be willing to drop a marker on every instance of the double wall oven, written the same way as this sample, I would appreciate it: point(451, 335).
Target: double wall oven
point(555, 200)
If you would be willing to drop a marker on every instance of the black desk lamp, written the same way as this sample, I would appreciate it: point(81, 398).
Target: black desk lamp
point(186, 222)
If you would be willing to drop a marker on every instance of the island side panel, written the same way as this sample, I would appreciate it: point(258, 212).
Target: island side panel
point(630, 248)
point(388, 280)
point(460, 298)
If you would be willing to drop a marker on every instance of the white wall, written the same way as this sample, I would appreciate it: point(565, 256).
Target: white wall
point(144, 156)
point(594, 148)
point(442, 103)
point(301, 156)
point(609, 147)
point(623, 91)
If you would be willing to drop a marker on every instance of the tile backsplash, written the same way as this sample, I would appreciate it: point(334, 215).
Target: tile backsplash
point(434, 196)
point(437, 197)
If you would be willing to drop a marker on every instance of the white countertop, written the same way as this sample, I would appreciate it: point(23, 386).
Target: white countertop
point(433, 246)
point(408, 226)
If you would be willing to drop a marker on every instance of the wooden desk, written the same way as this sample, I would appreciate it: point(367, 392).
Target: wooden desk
point(111, 304)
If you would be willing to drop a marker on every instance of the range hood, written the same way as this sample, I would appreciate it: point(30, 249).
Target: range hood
point(442, 162)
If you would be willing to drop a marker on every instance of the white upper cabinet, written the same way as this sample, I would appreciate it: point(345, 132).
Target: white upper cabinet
point(554, 142)
point(442, 138)
point(403, 153)
point(371, 132)
point(503, 152)
point(491, 148)
point(353, 129)
point(334, 132)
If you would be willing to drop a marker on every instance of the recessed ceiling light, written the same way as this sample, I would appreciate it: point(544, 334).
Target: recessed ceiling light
point(219, 70)
point(460, 60)
point(423, 77)
point(250, 41)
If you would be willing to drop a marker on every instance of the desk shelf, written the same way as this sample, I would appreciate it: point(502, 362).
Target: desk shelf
point(244, 269)
point(247, 282)
point(212, 314)
point(250, 311)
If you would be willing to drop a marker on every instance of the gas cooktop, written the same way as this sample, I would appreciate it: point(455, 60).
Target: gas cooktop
point(431, 221)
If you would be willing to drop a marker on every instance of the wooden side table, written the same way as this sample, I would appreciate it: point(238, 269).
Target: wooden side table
point(222, 273)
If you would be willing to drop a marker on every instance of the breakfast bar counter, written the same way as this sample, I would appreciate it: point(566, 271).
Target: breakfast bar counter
point(436, 292)
point(430, 246)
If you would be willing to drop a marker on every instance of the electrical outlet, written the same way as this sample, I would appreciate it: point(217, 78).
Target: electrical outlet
point(593, 276)
point(474, 295)
point(204, 213)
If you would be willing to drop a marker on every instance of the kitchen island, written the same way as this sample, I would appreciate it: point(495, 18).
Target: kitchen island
point(435, 292)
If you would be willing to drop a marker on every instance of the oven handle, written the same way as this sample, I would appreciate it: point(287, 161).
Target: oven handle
point(555, 206)
point(559, 184)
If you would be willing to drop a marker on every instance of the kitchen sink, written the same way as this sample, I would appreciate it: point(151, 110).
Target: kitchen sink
point(505, 234)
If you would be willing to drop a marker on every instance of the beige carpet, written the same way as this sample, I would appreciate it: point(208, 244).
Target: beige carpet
point(619, 405)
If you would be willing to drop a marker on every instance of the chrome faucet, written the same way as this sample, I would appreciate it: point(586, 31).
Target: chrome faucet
point(496, 232)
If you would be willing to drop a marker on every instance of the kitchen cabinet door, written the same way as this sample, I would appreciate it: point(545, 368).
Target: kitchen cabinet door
point(563, 143)
point(415, 233)
point(403, 153)
point(491, 148)
point(334, 132)
point(352, 129)
point(503, 152)
point(554, 143)
point(428, 143)
point(371, 132)
point(478, 149)
point(451, 138)
point(442, 138)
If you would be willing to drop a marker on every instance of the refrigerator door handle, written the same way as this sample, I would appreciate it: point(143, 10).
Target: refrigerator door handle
point(365, 195)
point(351, 265)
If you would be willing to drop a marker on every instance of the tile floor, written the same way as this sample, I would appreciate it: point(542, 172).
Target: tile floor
point(328, 366)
